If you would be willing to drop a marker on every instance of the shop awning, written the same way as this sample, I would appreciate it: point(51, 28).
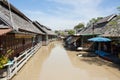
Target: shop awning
point(4, 31)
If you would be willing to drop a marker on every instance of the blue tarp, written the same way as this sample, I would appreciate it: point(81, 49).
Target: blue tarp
point(102, 53)
point(108, 56)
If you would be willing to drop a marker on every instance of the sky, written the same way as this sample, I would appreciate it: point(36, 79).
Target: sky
point(65, 14)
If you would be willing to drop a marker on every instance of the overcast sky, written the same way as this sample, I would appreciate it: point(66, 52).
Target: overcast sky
point(65, 14)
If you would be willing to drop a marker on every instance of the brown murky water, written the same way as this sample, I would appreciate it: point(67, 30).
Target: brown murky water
point(55, 63)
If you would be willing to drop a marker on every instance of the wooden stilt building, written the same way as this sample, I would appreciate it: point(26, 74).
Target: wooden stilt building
point(48, 36)
point(17, 32)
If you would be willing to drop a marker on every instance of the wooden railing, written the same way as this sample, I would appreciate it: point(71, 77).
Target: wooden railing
point(14, 66)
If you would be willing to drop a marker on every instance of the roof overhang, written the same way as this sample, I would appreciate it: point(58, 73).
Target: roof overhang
point(5, 31)
point(22, 30)
point(89, 34)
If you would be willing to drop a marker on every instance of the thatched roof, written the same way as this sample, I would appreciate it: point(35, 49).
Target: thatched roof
point(20, 21)
point(106, 19)
point(112, 31)
point(87, 30)
point(98, 27)
point(44, 28)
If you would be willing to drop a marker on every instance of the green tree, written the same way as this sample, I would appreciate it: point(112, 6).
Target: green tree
point(71, 32)
point(98, 18)
point(56, 31)
point(62, 34)
point(80, 25)
point(94, 20)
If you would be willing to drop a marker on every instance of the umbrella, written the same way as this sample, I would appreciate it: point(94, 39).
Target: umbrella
point(99, 39)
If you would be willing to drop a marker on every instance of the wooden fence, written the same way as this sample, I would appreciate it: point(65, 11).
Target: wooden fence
point(14, 66)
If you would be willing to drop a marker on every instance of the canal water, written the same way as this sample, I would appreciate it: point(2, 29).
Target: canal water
point(55, 63)
point(58, 66)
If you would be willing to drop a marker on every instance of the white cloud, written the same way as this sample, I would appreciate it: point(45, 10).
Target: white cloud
point(83, 8)
point(68, 16)
point(53, 22)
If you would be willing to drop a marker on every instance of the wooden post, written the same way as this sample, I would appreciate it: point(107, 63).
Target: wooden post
point(99, 48)
point(8, 72)
point(15, 64)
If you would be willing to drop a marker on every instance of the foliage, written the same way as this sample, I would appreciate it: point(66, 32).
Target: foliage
point(62, 34)
point(98, 18)
point(94, 20)
point(56, 31)
point(71, 32)
point(80, 25)
point(3, 60)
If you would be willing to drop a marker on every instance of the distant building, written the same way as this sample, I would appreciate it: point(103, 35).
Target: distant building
point(48, 36)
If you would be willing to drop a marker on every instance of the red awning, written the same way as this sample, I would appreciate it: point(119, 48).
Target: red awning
point(4, 31)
